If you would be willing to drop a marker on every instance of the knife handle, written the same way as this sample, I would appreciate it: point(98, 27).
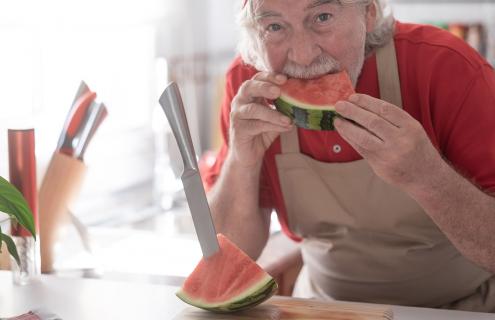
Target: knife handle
point(173, 107)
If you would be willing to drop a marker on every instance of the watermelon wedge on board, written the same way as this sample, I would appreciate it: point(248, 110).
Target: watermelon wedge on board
point(311, 103)
point(228, 281)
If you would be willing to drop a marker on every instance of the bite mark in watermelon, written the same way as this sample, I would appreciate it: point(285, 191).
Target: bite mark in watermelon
point(228, 281)
point(311, 103)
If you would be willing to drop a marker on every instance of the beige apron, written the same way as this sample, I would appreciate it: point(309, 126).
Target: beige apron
point(365, 240)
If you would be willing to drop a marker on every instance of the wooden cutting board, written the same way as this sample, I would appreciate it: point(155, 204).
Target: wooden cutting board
point(280, 308)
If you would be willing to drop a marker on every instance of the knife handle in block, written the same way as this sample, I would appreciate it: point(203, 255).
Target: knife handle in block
point(173, 107)
point(59, 188)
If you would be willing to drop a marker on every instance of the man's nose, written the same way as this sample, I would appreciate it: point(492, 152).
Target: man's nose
point(303, 49)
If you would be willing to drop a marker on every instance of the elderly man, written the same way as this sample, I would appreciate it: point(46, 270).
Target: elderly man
point(397, 209)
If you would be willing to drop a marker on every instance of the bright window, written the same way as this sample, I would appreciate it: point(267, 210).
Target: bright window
point(48, 47)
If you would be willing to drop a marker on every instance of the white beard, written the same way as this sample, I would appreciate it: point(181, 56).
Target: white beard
point(355, 72)
point(322, 65)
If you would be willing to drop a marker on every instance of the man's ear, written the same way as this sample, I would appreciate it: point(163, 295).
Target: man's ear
point(371, 11)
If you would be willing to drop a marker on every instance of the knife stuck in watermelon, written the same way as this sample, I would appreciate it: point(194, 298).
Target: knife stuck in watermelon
point(228, 281)
point(311, 102)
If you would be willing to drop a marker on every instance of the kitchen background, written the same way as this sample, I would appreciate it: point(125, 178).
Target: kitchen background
point(130, 219)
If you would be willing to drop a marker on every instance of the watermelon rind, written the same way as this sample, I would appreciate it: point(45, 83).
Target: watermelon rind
point(256, 298)
point(255, 295)
point(307, 116)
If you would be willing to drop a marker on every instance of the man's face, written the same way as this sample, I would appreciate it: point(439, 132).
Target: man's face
point(308, 38)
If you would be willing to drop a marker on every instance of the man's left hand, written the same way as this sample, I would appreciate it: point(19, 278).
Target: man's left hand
point(394, 143)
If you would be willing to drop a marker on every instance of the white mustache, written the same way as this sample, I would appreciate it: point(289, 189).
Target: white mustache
point(322, 65)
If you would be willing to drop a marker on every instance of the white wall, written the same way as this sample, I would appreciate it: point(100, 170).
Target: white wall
point(199, 38)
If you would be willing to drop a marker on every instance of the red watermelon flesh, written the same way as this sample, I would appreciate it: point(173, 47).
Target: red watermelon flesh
point(322, 92)
point(227, 281)
point(311, 103)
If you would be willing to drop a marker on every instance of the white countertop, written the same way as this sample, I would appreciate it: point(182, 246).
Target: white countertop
point(90, 299)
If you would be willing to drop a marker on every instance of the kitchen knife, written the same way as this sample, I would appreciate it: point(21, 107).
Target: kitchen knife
point(173, 107)
point(76, 116)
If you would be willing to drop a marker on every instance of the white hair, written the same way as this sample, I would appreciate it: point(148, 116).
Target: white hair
point(250, 51)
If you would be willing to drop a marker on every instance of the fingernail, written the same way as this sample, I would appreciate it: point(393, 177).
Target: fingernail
point(339, 106)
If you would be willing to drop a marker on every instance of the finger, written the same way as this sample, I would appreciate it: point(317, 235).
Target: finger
point(385, 110)
point(367, 119)
point(253, 90)
point(364, 153)
point(274, 78)
point(256, 111)
point(358, 137)
point(256, 127)
point(356, 147)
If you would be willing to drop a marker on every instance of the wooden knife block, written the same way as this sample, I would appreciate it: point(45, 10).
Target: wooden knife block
point(60, 186)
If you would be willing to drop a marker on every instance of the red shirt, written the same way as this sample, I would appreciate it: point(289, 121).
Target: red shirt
point(446, 85)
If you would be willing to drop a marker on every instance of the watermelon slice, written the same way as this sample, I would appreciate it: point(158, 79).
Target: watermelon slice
point(228, 281)
point(311, 103)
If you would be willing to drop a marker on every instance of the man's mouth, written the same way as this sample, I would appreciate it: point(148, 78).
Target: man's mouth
point(310, 76)
point(321, 66)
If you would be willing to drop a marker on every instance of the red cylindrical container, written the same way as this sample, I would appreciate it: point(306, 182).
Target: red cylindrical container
point(22, 172)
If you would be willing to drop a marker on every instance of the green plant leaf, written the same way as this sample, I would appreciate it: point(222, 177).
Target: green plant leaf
point(11, 247)
point(12, 202)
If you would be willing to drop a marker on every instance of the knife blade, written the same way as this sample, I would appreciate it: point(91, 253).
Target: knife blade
point(172, 105)
point(96, 115)
point(76, 119)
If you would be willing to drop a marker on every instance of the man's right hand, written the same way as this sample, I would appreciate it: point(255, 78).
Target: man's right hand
point(254, 124)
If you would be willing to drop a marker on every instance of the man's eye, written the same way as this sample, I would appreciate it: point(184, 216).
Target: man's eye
point(323, 17)
point(274, 27)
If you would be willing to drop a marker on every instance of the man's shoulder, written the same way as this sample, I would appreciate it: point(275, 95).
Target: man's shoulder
point(431, 41)
point(239, 71)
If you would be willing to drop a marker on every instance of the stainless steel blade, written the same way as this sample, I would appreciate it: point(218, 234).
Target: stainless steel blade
point(196, 198)
point(173, 107)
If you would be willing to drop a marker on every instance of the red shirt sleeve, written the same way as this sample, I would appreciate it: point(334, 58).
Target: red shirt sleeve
point(470, 144)
point(450, 89)
point(236, 75)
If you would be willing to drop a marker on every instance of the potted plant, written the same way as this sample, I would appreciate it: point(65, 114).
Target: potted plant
point(12, 203)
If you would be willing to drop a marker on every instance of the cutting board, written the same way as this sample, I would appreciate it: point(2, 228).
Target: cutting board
point(280, 308)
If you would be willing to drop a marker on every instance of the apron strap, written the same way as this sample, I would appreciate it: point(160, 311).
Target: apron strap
point(388, 74)
point(388, 81)
point(289, 141)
